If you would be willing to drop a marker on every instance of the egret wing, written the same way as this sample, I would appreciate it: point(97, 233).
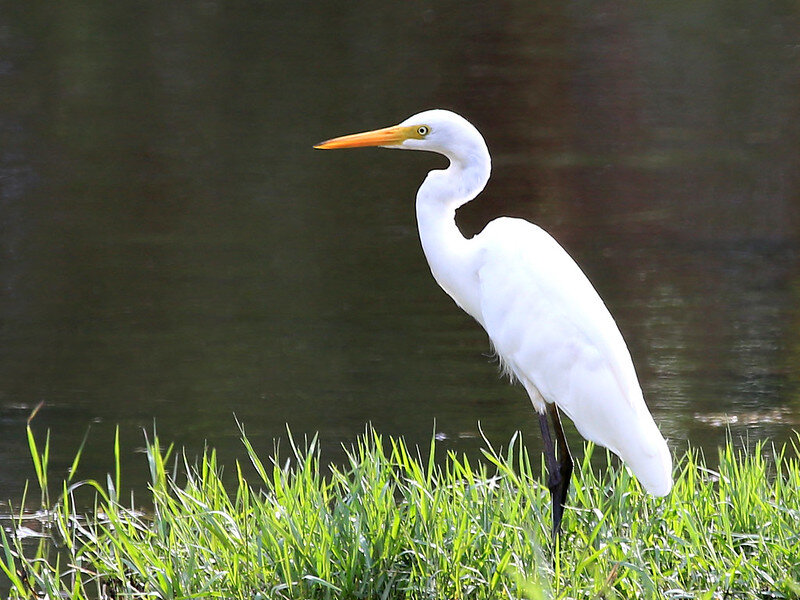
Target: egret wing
point(555, 334)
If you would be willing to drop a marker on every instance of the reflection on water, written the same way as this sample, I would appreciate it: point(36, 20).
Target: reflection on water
point(777, 415)
point(173, 251)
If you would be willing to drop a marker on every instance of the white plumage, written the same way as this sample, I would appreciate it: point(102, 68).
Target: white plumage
point(570, 352)
point(544, 318)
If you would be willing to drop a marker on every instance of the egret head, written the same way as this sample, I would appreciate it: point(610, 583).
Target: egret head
point(435, 130)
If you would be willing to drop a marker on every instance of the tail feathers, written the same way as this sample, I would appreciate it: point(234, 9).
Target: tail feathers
point(638, 442)
point(652, 465)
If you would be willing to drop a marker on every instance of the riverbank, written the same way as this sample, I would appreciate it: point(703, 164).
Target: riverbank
point(392, 523)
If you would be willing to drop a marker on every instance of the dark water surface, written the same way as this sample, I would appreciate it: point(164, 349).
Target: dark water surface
point(172, 251)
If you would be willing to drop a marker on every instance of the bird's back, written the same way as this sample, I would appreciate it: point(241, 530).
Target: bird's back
point(554, 333)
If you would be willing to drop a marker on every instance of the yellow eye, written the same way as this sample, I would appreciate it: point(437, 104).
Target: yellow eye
point(423, 130)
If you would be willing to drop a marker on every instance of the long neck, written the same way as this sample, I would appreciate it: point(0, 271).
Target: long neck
point(450, 255)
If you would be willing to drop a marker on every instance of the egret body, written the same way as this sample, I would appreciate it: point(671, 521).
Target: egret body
point(550, 328)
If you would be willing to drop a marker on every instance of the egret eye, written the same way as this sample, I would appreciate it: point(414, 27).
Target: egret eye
point(423, 130)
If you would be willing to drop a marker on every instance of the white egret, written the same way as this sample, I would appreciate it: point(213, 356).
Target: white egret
point(546, 322)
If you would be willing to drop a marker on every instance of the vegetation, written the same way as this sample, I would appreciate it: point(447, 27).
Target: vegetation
point(393, 523)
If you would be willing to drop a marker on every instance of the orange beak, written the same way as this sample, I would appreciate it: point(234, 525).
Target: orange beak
point(389, 136)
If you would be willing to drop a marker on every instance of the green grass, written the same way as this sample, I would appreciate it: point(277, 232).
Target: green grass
point(392, 523)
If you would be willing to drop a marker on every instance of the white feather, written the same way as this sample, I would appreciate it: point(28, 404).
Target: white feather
point(555, 334)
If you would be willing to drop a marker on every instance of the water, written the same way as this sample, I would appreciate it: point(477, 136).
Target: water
point(173, 252)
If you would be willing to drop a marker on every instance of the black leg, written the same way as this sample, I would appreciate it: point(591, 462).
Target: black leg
point(559, 472)
point(565, 460)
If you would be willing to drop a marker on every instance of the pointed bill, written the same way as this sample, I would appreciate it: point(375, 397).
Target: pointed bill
point(389, 136)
